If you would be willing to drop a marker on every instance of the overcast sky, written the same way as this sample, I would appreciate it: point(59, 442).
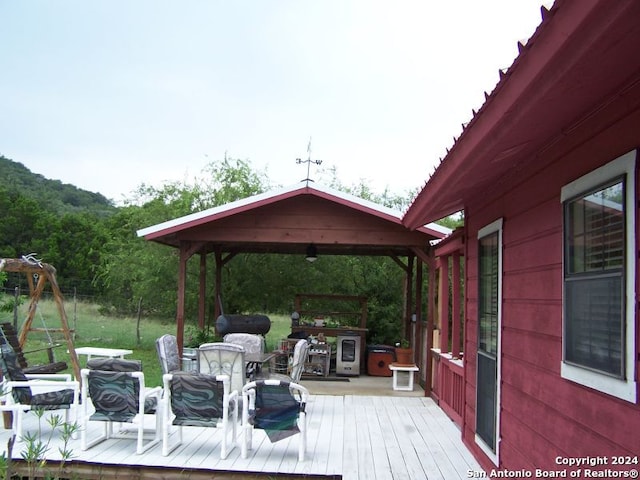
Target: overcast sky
point(109, 94)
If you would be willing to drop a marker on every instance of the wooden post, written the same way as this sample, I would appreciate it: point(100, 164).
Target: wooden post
point(182, 286)
point(218, 300)
point(455, 305)
point(202, 293)
point(409, 305)
point(443, 304)
point(418, 312)
point(431, 309)
point(75, 314)
point(16, 304)
point(138, 321)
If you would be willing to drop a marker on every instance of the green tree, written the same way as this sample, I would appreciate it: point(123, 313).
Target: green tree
point(132, 268)
point(51, 195)
point(74, 245)
point(24, 225)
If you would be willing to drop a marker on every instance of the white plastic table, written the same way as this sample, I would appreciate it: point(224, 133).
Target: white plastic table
point(102, 352)
point(410, 369)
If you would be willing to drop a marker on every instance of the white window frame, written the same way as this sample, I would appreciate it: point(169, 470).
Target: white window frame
point(625, 389)
point(494, 227)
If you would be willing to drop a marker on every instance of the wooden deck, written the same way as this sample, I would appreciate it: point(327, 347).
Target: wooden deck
point(350, 437)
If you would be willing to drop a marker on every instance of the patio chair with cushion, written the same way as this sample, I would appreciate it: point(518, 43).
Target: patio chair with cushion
point(270, 405)
point(220, 358)
point(27, 392)
point(254, 345)
point(199, 400)
point(169, 356)
point(300, 353)
point(118, 394)
point(251, 342)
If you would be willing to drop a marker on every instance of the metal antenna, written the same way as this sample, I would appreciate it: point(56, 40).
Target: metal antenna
point(308, 161)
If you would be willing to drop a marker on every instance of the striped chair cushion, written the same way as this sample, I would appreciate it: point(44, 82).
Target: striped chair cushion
point(196, 399)
point(114, 393)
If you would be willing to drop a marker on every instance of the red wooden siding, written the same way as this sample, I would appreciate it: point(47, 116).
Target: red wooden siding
point(542, 414)
point(298, 219)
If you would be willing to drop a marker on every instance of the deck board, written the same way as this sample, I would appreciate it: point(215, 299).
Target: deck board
point(394, 453)
point(353, 436)
point(377, 423)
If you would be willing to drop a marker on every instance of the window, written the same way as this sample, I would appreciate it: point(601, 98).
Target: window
point(488, 353)
point(488, 278)
point(599, 279)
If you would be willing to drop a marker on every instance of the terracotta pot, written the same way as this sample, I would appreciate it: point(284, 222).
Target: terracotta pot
point(404, 356)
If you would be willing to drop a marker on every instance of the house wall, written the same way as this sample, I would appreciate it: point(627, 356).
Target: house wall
point(543, 415)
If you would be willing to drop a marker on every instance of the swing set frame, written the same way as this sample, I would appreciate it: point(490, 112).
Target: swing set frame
point(44, 273)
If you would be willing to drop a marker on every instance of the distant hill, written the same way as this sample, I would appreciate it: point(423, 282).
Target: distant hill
point(51, 194)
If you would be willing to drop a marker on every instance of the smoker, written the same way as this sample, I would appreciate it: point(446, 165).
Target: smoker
point(256, 324)
point(348, 354)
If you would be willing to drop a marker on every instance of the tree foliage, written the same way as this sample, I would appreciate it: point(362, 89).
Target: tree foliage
point(95, 248)
point(133, 269)
point(52, 195)
point(70, 242)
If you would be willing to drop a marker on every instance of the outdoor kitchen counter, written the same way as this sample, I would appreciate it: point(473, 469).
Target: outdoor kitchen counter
point(334, 332)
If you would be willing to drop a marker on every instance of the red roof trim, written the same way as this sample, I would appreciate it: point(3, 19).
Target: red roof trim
point(515, 122)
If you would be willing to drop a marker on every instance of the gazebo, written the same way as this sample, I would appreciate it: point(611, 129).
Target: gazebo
point(292, 220)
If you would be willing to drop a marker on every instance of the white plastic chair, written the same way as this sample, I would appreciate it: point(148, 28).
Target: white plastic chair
point(300, 354)
point(253, 346)
point(118, 394)
point(199, 400)
point(169, 355)
point(270, 405)
point(252, 343)
point(23, 393)
point(220, 358)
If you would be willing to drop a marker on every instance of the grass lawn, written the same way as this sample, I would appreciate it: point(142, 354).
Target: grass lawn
point(96, 330)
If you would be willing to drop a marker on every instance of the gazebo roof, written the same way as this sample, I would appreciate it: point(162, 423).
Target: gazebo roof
point(287, 220)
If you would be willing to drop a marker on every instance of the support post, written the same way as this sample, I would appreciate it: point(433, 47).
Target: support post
point(431, 309)
point(182, 287)
point(218, 300)
point(455, 305)
point(202, 293)
point(418, 313)
point(409, 300)
point(443, 304)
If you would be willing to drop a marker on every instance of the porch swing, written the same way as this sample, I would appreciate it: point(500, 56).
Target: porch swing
point(38, 273)
point(10, 335)
point(53, 366)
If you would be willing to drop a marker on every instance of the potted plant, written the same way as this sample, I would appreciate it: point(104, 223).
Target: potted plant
point(404, 352)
